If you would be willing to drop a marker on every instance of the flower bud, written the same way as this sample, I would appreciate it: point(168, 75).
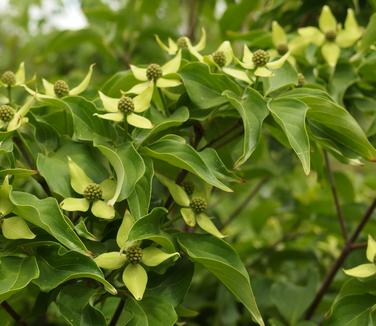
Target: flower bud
point(8, 78)
point(6, 113)
point(198, 205)
point(219, 58)
point(182, 42)
point(331, 36)
point(154, 71)
point(61, 88)
point(134, 254)
point(282, 48)
point(93, 192)
point(260, 58)
point(189, 187)
point(126, 104)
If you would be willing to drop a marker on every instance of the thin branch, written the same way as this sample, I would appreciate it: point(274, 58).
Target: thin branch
point(360, 245)
point(17, 318)
point(192, 19)
point(340, 260)
point(337, 204)
point(117, 314)
point(245, 202)
point(229, 140)
point(221, 136)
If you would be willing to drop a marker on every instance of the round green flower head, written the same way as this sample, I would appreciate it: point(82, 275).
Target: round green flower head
point(282, 48)
point(126, 104)
point(93, 192)
point(182, 42)
point(301, 80)
point(219, 58)
point(330, 36)
point(61, 88)
point(8, 78)
point(134, 254)
point(189, 187)
point(154, 71)
point(198, 205)
point(6, 113)
point(260, 58)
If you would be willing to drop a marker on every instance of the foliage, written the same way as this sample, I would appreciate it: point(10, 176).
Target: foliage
point(126, 198)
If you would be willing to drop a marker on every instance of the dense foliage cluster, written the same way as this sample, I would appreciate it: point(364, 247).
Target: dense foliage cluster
point(117, 204)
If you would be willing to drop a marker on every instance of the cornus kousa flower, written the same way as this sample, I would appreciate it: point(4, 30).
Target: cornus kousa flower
point(13, 227)
point(369, 269)
point(61, 89)
point(11, 79)
point(259, 62)
point(133, 256)
point(193, 208)
point(182, 43)
point(283, 45)
point(222, 59)
point(154, 75)
point(330, 36)
point(94, 195)
point(11, 119)
point(126, 108)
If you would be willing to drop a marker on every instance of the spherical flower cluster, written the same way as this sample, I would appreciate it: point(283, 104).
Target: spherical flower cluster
point(6, 113)
point(61, 88)
point(134, 254)
point(8, 78)
point(188, 187)
point(198, 205)
point(219, 58)
point(93, 192)
point(154, 71)
point(126, 104)
point(260, 58)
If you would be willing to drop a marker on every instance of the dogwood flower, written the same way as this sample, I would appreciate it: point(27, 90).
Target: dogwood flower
point(11, 119)
point(154, 75)
point(184, 42)
point(193, 208)
point(133, 257)
point(124, 108)
point(60, 88)
point(222, 59)
point(94, 195)
point(258, 61)
point(13, 227)
point(366, 270)
point(11, 79)
point(330, 36)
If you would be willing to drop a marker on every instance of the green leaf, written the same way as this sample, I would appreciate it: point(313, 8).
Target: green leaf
point(253, 110)
point(148, 227)
point(174, 150)
point(284, 77)
point(57, 265)
point(151, 311)
point(221, 260)
point(174, 284)
point(286, 295)
point(129, 168)
point(290, 114)
point(205, 88)
point(161, 123)
point(339, 125)
point(15, 274)
point(369, 36)
point(121, 81)
point(75, 307)
point(46, 214)
point(139, 199)
point(344, 76)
